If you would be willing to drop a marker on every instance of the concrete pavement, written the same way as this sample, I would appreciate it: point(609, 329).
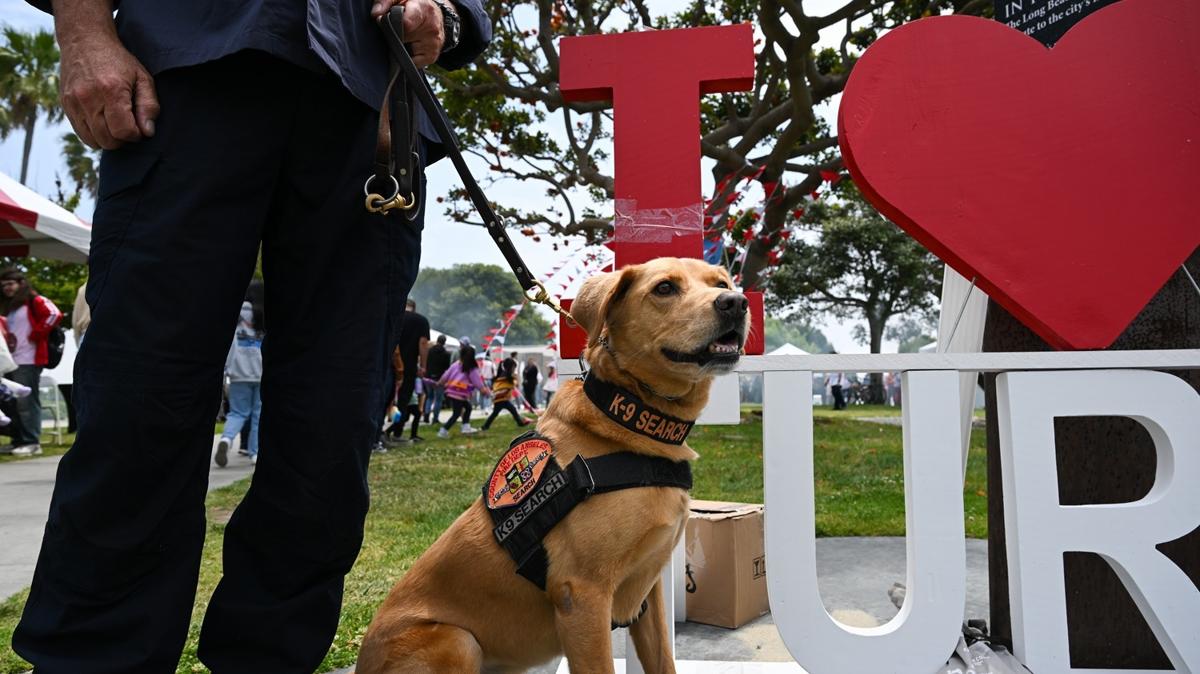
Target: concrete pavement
point(854, 577)
point(25, 488)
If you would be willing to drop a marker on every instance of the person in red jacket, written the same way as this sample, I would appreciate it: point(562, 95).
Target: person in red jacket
point(31, 317)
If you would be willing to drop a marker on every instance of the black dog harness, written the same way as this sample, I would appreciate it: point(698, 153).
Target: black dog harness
point(528, 493)
point(547, 493)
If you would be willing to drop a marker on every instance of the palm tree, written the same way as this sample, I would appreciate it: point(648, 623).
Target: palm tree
point(82, 162)
point(28, 84)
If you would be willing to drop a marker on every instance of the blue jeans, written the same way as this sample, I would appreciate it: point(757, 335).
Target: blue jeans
point(245, 402)
point(433, 402)
point(28, 429)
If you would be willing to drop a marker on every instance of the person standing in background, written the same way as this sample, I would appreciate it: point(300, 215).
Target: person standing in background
point(487, 370)
point(244, 367)
point(529, 381)
point(436, 364)
point(837, 385)
point(550, 386)
point(31, 317)
point(81, 315)
point(412, 348)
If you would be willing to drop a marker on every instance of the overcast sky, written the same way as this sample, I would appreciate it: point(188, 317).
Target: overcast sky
point(446, 243)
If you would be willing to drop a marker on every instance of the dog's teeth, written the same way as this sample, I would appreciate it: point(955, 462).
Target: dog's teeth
point(717, 347)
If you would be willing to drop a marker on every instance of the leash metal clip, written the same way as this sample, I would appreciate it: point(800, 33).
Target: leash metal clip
point(538, 294)
point(377, 203)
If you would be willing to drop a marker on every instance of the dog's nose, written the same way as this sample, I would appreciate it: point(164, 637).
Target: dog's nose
point(731, 303)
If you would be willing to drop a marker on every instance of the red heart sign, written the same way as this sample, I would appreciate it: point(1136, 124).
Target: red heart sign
point(1066, 181)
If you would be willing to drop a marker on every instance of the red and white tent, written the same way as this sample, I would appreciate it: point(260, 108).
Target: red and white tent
point(32, 225)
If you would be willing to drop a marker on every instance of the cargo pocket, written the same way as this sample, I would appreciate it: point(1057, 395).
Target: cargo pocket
point(124, 175)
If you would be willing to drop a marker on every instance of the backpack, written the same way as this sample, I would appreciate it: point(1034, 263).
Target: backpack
point(56, 343)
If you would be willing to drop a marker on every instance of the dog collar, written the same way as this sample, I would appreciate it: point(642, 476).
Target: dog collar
point(632, 413)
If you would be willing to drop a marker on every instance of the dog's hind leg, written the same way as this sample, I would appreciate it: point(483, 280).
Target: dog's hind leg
point(426, 648)
point(649, 634)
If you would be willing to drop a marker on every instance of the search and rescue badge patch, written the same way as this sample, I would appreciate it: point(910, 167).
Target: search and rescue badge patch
point(518, 471)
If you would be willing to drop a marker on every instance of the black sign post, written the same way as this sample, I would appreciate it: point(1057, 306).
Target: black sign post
point(1045, 20)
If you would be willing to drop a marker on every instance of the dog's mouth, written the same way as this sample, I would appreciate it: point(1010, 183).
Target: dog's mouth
point(724, 350)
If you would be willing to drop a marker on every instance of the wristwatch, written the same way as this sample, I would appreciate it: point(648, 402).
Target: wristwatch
point(450, 24)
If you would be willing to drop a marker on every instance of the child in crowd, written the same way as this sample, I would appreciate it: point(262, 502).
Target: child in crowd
point(460, 381)
point(503, 390)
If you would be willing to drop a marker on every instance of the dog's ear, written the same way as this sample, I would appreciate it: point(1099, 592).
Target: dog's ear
point(596, 298)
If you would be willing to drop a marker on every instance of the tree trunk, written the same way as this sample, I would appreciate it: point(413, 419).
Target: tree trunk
point(29, 124)
point(875, 327)
point(1100, 460)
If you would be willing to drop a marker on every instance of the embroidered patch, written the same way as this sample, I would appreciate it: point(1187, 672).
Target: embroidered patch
point(517, 472)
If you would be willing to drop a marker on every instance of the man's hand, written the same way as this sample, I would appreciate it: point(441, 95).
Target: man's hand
point(106, 93)
point(423, 28)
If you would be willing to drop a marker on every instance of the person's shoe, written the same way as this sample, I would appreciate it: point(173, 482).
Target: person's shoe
point(380, 448)
point(468, 430)
point(416, 438)
point(443, 433)
point(222, 457)
point(6, 449)
point(27, 450)
point(254, 459)
point(393, 441)
point(243, 452)
point(18, 390)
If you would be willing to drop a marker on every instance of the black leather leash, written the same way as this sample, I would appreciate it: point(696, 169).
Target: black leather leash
point(395, 160)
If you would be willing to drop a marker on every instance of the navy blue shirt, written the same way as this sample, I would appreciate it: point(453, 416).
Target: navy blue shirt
point(321, 35)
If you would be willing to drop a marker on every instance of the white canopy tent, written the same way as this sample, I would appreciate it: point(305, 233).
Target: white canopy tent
point(451, 342)
point(788, 349)
point(32, 225)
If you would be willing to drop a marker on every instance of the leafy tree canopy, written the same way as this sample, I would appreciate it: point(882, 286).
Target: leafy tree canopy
point(853, 264)
point(780, 332)
point(467, 299)
point(28, 84)
point(512, 114)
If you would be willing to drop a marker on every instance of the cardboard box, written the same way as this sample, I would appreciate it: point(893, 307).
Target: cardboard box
point(727, 569)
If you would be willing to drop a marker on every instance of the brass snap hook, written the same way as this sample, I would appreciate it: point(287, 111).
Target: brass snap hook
point(538, 294)
point(377, 203)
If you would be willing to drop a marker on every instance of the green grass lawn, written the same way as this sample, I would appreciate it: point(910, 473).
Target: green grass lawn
point(49, 447)
point(416, 492)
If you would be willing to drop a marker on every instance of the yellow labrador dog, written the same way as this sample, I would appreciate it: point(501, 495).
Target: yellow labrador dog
point(658, 332)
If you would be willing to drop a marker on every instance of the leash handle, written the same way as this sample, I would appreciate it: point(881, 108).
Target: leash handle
point(393, 27)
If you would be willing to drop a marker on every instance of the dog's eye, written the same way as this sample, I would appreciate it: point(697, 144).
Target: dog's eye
point(722, 284)
point(665, 288)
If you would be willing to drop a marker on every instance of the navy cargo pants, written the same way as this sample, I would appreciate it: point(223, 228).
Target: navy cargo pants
point(248, 149)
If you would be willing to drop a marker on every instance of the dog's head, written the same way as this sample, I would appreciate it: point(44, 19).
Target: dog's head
point(666, 322)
